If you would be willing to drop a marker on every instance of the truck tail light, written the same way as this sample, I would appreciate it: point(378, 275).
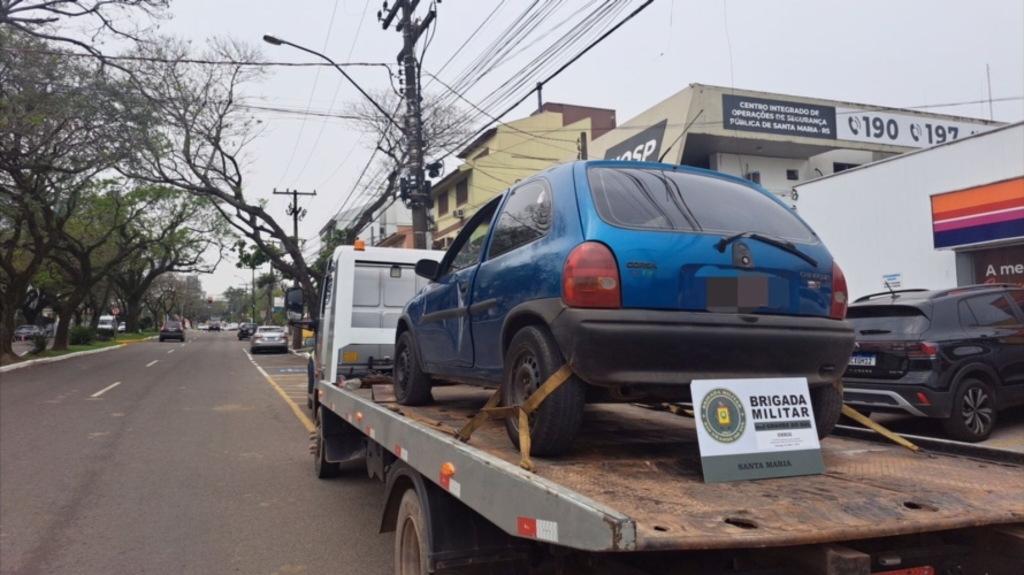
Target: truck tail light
point(840, 297)
point(591, 277)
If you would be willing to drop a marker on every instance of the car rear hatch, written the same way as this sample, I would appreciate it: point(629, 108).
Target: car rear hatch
point(688, 239)
point(889, 341)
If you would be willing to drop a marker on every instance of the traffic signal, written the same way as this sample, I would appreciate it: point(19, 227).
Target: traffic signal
point(209, 300)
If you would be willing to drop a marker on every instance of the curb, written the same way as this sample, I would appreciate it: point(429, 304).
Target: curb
point(41, 361)
point(133, 341)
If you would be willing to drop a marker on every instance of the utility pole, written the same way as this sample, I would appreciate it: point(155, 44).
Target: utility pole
point(294, 211)
point(415, 188)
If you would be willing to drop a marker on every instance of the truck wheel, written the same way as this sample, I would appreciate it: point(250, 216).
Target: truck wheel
point(974, 412)
point(412, 386)
point(324, 469)
point(827, 402)
point(532, 358)
point(411, 536)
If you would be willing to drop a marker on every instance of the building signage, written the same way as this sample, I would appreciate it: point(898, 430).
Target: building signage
point(899, 129)
point(892, 281)
point(778, 117)
point(999, 265)
point(643, 147)
point(755, 429)
point(832, 123)
point(986, 214)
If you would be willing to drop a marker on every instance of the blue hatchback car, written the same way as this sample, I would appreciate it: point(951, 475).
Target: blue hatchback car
point(642, 277)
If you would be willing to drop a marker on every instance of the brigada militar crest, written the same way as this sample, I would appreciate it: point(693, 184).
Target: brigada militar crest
point(723, 416)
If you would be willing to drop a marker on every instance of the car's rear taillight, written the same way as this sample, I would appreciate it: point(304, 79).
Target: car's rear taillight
point(591, 277)
point(922, 350)
point(840, 297)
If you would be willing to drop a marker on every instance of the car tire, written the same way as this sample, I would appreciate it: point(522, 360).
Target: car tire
point(161, 340)
point(532, 358)
point(412, 386)
point(827, 402)
point(324, 469)
point(974, 412)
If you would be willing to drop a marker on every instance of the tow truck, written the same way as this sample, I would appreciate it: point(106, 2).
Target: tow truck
point(630, 497)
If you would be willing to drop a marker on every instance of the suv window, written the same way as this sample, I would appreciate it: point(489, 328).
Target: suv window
point(654, 199)
point(991, 310)
point(526, 217)
point(895, 319)
point(1017, 295)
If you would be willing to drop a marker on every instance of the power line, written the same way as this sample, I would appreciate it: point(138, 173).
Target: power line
point(309, 103)
point(194, 60)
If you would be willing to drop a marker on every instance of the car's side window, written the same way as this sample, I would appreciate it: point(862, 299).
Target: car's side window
point(992, 311)
point(525, 218)
point(472, 239)
point(1017, 295)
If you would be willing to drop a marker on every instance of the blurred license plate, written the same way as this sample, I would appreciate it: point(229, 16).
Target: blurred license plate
point(737, 293)
point(864, 359)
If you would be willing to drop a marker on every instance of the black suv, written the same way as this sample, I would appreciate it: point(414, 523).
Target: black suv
point(172, 330)
point(955, 354)
point(246, 330)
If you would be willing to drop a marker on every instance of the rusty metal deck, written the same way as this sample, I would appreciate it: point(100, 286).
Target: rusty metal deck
point(646, 465)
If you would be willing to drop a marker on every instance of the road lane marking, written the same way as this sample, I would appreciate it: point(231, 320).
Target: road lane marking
point(295, 408)
point(170, 351)
point(105, 389)
point(152, 362)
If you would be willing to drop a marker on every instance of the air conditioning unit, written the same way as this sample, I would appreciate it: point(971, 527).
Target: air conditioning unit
point(459, 213)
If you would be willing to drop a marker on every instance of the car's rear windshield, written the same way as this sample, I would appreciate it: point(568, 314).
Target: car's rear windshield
point(886, 319)
point(272, 328)
point(173, 324)
point(666, 200)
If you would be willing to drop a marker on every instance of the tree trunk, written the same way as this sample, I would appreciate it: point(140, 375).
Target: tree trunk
point(8, 307)
point(60, 339)
point(132, 312)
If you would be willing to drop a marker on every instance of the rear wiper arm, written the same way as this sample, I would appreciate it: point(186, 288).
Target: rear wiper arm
point(781, 244)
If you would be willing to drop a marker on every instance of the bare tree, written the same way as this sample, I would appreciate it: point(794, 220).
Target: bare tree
point(54, 20)
point(443, 122)
point(199, 145)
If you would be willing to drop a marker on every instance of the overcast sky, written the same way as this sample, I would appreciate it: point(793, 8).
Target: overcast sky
point(878, 52)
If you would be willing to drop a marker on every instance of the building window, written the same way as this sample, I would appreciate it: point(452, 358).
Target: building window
point(792, 175)
point(461, 192)
point(842, 167)
point(442, 203)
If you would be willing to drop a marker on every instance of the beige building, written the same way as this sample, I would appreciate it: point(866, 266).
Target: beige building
point(507, 153)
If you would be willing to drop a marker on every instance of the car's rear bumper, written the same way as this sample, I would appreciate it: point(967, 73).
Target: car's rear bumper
point(269, 344)
point(172, 335)
point(630, 346)
point(889, 397)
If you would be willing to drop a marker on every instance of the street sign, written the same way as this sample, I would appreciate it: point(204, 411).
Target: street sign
point(755, 429)
point(115, 311)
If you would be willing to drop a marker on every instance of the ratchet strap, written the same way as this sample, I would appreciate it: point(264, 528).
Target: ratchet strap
point(491, 411)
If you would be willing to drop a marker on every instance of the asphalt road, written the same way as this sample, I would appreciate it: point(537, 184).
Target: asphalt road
point(194, 462)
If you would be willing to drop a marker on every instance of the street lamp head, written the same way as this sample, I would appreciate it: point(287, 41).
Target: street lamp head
point(271, 39)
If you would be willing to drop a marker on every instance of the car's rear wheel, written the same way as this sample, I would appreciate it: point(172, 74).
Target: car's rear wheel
point(827, 402)
point(531, 359)
point(412, 386)
point(974, 412)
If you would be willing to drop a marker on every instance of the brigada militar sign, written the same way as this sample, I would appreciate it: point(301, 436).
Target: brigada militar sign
point(755, 429)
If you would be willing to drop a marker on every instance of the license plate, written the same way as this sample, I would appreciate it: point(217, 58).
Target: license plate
point(863, 359)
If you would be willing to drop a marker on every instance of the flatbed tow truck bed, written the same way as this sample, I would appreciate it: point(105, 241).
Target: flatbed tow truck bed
point(633, 482)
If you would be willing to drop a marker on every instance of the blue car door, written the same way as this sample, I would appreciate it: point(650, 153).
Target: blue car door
point(445, 338)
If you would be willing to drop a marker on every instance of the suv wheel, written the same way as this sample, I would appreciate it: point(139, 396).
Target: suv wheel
point(974, 412)
point(827, 402)
point(412, 386)
point(532, 358)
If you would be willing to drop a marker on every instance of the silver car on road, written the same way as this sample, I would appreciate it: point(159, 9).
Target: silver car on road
point(269, 337)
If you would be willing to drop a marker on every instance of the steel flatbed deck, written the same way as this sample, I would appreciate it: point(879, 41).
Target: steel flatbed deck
point(633, 481)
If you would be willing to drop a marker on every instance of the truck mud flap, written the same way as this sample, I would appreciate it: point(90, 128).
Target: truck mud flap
point(342, 441)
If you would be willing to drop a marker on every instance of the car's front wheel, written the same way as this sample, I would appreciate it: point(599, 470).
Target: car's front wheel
point(827, 402)
point(974, 412)
point(412, 386)
point(531, 359)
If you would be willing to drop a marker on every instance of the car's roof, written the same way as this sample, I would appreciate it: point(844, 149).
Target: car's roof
point(918, 296)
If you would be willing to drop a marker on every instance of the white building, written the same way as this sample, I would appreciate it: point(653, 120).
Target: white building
point(941, 217)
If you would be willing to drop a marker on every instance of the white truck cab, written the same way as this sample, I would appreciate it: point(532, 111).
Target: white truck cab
point(364, 291)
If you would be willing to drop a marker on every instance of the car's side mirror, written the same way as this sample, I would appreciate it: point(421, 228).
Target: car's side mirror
point(294, 303)
point(427, 269)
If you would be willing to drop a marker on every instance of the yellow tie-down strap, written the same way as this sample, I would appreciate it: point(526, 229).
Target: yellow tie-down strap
point(491, 410)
